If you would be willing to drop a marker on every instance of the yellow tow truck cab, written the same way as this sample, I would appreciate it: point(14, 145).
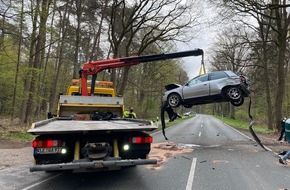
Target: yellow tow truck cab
point(103, 100)
point(102, 88)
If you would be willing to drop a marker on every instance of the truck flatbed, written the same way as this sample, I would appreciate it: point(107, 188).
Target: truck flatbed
point(58, 126)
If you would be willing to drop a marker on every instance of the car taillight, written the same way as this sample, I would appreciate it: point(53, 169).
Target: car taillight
point(47, 143)
point(243, 79)
point(140, 140)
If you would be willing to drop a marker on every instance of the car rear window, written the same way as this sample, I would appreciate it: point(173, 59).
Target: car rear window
point(217, 75)
point(231, 74)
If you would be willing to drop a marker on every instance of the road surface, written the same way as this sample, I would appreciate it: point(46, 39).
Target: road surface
point(201, 153)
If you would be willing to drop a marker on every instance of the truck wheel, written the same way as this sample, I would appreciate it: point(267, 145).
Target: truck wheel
point(174, 100)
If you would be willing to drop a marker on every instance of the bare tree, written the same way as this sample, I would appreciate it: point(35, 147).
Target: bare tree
point(278, 20)
point(230, 53)
point(134, 27)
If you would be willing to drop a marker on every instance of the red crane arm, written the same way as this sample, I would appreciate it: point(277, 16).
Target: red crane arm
point(92, 68)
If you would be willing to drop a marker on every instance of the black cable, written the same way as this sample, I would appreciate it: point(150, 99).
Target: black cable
point(256, 138)
point(163, 108)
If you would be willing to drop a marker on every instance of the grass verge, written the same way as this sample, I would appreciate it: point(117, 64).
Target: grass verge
point(245, 125)
point(16, 135)
point(15, 131)
point(176, 121)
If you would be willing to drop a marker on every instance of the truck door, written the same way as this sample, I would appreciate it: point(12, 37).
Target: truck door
point(197, 87)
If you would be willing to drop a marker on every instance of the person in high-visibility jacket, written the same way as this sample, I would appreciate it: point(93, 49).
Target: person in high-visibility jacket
point(130, 114)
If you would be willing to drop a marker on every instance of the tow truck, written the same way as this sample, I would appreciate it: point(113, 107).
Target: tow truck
point(89, 132)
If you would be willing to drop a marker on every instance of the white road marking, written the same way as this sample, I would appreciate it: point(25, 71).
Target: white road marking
point(36, 184)
point(201, 125)
point(191, 175)
point(199, 134)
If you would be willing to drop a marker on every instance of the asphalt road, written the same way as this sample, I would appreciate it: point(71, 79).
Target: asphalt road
point(206, 154)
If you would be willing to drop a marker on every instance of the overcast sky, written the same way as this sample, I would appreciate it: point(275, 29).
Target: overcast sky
point(204, 40)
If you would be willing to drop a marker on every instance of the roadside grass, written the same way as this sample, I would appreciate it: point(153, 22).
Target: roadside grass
point(13, 131)
point(245, 125)
point(176, 121)
point(179, 120)
point(19, 133)
point(241, 125)
point(16, 135)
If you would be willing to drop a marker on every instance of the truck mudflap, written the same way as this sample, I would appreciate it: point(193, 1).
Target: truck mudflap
point(92, 165)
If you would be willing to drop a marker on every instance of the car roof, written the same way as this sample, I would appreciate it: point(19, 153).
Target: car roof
point(231, 73)
point(228, 72)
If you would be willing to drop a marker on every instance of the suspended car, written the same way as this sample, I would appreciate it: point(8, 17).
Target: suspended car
point(217, 86)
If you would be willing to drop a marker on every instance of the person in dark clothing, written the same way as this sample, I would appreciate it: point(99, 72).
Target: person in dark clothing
point(286, 154)
point(282, 129)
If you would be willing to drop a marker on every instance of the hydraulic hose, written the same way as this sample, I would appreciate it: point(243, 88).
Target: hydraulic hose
point(256, 138)
point(163, 109)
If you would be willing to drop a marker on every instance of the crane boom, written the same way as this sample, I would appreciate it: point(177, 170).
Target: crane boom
point(92, 68)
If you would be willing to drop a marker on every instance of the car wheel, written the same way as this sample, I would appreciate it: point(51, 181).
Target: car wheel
point(234, 93)
point(174, 100)
point(239, 102)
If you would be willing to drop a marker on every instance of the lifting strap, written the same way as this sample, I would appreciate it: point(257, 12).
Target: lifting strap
point(202, 67)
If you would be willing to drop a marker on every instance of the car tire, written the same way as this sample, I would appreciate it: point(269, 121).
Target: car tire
point(239, 102)
point(234, 94)
point(174, 100)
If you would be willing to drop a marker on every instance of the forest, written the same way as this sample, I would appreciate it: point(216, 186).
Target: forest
point(44, 44)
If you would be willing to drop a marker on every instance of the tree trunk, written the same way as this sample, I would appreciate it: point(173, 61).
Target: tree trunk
point(268, 97)
point(18, 60)
point(281, 82)
point(28, 76)
point(77, 36)
point(58, 61)
point(122, 88)
point(37, 60)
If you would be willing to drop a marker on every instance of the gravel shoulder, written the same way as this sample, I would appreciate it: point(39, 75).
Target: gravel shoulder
point(14, 152)
point(271, 142)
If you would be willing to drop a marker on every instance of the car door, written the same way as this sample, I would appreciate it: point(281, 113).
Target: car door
point(217, 80)
point(197, 87)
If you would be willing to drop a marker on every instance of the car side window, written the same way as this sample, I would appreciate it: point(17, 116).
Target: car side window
point(217, 75)
point(197, 80)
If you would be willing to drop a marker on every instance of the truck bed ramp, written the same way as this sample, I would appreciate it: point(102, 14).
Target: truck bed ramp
point(64, 125)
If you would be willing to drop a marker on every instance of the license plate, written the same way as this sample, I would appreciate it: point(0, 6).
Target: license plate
point(53, 150)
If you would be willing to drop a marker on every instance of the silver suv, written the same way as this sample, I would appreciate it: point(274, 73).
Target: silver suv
point(217, 86)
